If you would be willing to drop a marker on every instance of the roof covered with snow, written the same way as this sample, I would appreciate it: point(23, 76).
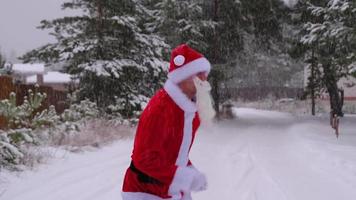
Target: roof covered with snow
point(52, 77)
point(28, 69)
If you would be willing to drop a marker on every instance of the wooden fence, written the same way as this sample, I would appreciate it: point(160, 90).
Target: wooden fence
point(54, 97)
point(260, 93)
point(6, 87)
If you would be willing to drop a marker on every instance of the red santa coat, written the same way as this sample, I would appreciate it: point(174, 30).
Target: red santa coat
point(164, 136)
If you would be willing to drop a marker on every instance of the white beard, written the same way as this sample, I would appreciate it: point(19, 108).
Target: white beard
point(204, 101)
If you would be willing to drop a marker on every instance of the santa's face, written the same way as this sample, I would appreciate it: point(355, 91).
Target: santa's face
point(188, 86)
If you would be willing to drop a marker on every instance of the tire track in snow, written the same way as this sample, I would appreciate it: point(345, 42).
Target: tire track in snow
point(240, 174)
point(265, 160)
point(258, 178)
point(335, 153)
point(282, 154)
point(249, 159)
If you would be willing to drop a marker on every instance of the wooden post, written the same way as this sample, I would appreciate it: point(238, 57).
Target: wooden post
point(40, 79)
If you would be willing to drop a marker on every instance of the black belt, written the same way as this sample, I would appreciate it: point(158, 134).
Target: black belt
point(142, 177)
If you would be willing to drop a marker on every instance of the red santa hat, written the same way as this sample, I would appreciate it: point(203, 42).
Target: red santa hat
point(186, 62)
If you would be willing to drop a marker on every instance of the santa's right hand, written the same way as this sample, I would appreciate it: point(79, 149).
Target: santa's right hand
point(199, 182)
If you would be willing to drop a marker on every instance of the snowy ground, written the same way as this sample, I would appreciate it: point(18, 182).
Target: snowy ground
point(261, 155)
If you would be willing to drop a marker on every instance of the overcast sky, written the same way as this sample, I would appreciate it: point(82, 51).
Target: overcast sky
point(18, 21)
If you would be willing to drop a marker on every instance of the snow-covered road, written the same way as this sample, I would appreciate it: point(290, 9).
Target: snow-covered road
point(262, 155)
point(274, 156)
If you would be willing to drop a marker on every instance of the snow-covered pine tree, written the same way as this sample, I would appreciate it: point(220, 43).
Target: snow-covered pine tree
point(353, 73)
point(263, 60)
point(179, 21)
point(224, 37)
point(200, 24)
point(110, 48)
point(224, 41)
point(247, 42)
point(353, 69)
point(329, 33)
point(264, 20)
point(20, 127)
point(351, 22)
point(302, 15)
point(21, 116)
point(2, 61)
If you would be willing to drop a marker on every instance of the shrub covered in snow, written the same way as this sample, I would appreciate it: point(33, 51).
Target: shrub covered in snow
point(22, 120)
point(128, 108)
point(46, 118)
point(22, 115)
point(12, 145)
point(80, 125)
point(28, 126)
point(83, 110)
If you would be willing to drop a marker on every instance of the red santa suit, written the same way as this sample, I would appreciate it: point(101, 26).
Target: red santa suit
point(160, 167)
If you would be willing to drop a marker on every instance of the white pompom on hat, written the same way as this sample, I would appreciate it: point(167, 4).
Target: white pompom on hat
point(186, 62)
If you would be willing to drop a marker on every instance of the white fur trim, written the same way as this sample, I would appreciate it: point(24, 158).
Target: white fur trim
point(147, 196)
point(184, 175)
point(179, 97)
point(139, 196)
point(189, 69)
point(182, 181)
point(182, 159)
point(179, 60)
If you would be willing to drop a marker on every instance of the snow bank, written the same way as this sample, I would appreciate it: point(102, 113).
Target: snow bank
point(251, 113)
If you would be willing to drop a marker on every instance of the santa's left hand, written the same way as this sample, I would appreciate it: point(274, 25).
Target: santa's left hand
point(199, 182)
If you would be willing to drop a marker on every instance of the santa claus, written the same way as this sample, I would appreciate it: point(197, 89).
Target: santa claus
point(160, 167)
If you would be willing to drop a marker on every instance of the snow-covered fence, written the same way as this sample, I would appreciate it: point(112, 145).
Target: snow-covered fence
point(6, 86)
point(54, 97)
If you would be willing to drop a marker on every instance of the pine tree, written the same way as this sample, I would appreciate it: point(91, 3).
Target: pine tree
point(2, 61)
point(111, 48)
point(267, 35)
point(263, 19)
point(353, 69)
point(353, 73)
point(222, 31)
point(307, 53)
point(329, 34)
point(179, 21)
point(224, 39)
point(195, 23)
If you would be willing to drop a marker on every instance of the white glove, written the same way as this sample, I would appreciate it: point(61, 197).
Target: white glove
point(187, 196)
point(199, 182)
